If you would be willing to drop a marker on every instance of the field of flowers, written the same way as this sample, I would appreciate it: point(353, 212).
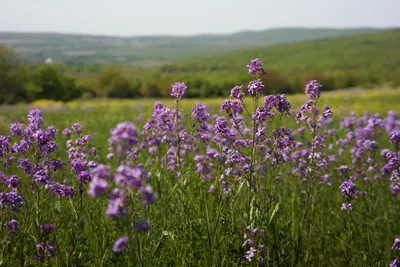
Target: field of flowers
point(249, 181)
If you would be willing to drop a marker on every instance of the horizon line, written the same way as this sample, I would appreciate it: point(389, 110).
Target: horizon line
point(372, 28)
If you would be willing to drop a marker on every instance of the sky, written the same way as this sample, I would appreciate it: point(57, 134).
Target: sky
point(190, 17)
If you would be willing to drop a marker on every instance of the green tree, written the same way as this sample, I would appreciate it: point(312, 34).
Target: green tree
point(54, 85)
point(12, 76)
point(112, 83)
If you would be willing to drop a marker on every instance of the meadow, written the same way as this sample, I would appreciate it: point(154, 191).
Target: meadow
point(250, 180)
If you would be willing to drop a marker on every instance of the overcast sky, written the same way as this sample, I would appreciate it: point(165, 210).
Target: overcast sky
point(187, 17)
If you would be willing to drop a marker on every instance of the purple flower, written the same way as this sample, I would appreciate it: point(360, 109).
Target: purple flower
point(12, 225)
point(97, 186)
point(130, 177)
point(344, 169)
point(62, 190)
point(232, 106)
point(77, 128)
point(282, 104)
point(255, 86)
point(178, 90)
point(396, 244)
point(347, 206)
point(348, 189)
point(35, 119)
point(261, 114)
point(4, 145)
point(250, 253)
point(116, 203)
point(221, 126)
point(11, 199)
point(16, 129)
point(148, 195)
point(255, 66)
point(102, 171)
point(13, 181)
point(41, 177)
point(395, 263)
point(47, 228)
point(313, 89)
point(120, 244)
point(237, 92)
point(199, 112)
point(44, 250)
point(142, 226)
point(67, 132)
point(394, 136)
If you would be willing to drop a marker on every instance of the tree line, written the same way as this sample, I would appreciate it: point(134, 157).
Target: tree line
point(23, 82)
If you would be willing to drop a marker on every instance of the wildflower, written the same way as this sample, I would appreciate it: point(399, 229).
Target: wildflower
point(11, 199)
point(47, 228)
point(35, 119)
point(62, 190)
point(255, 87)
point(261, 114)
point(12, 225)
point(396, 244)
point(13, 181)
point(221, 126)
point(395, 263)
point(232, 106)
point(4, 145)
point(394, 136)
point(344, 169)
point(120, 244)
point(348, 189)
point(255, 66)
point(77, 128)
point(178, 90)
point(97, 186)
point(200, 113)
point(148, 195)
point(44, 250)
point(116, 203)
point(347, 206)
point(237, 92)
point(142, 226)
point(16, 129)
point(67, 132)
point(250, 253)
point(313, 89)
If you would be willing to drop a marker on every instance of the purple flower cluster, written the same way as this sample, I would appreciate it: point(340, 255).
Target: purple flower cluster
point(237, 93)
point(11, 199)
point(349, 189)
point(79, 152)
point(123, 141)
point(253, 242)
point(255, 67)
point(120, 244)
point(12, 226)
point(255, 87)
point(44, 251)
point(47, 228)
point(178, 90)
point(127, 178)
point(396, 247)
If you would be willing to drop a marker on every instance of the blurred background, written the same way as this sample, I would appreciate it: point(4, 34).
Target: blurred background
point(65, 50)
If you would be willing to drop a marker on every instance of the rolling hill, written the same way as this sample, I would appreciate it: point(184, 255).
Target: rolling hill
point(364, 60)
point(152, 50)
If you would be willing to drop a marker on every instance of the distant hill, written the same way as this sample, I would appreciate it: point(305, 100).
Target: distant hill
point(369, 51)
point(369, 59)
point(152, 50)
